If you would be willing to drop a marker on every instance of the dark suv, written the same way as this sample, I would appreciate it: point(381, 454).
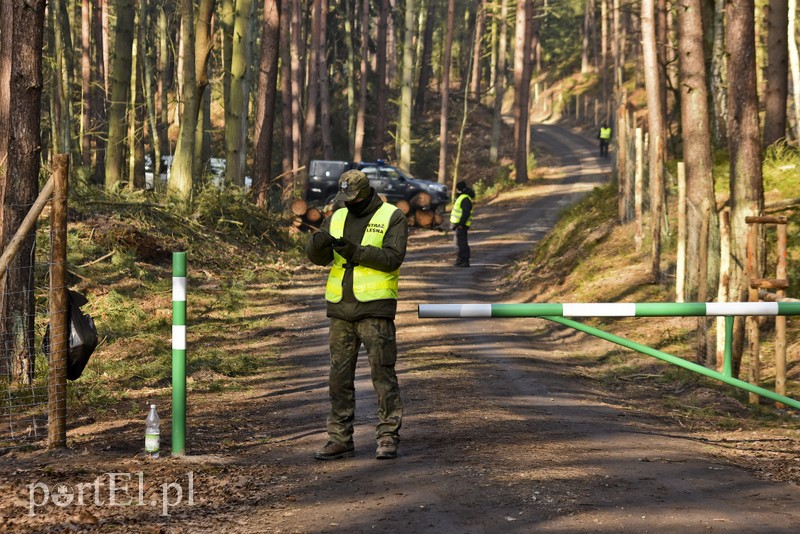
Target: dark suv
point(392, 182)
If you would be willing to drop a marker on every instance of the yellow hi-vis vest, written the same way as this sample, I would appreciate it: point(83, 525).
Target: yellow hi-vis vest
point(368, 284)
point(455, 215)
point(605, 133)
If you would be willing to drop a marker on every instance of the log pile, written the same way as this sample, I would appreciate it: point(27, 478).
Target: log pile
point(419, 213)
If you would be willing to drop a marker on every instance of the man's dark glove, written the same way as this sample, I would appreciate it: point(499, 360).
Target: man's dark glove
point(324, 240)
point(345, 248)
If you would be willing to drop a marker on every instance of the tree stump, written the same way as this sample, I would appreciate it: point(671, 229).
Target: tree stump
point(298, 207)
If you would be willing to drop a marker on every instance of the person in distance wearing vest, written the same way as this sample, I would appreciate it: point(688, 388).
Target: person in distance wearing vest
point(461, 219)
point(366, 242)
point(604, 135)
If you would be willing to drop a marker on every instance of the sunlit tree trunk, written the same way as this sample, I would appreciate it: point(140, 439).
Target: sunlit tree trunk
point(794, 61)
point(746, 185)
point(777, 71)
point(445, 91)
point(98, 96)
point(480, 23)
point(312, 93)
point(362, 88)
point(21, 43)
point(380, 106)
point(297, 53)
point(499, 83)
point(588, 8)
point(236, 118)
point(265, 108)
point(286, 94)
point(86, 80)
point(425, 67)
point(324, 86)
point(120, 83)
point(656, 132)
point(164, 73)
point(135, 123)
point(404, 128)
point(521, 60)
point(180, 180)
point(719, 85)
point(350, 72)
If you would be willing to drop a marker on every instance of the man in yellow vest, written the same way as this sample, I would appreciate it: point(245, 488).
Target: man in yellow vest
point(604, 135)
point(366, 242)
point(461, 220)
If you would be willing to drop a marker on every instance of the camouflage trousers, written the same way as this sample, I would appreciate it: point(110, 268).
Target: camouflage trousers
point(378, 337)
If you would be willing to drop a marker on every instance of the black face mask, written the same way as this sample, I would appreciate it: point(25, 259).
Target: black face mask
point(358, 207)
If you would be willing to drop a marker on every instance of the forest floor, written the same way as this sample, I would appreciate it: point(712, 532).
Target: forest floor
point(505, 430)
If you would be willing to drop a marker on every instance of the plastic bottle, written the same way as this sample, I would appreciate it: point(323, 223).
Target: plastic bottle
point(151, 433)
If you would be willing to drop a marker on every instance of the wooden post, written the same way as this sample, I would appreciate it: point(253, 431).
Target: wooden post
point(780, 321)
point(59, 318)
point(752, 322)
point(639, 188)
point(680, 268)
point(724, 279)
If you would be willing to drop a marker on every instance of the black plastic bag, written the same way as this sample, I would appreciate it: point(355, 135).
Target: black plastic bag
point(82, 336)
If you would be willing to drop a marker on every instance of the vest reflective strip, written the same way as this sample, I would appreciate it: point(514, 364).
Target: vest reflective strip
point(455, 215)
point(605, 133)
point(368, 284)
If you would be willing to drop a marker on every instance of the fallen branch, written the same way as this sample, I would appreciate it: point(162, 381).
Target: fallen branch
point(98, 260)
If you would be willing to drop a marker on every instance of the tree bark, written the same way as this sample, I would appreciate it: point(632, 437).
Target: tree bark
point(521, 59)
point(265, 107)
point(656, 131)
point(404, 130)
point(120, 83)
point(425, 68)
point(380, 107)
point(86, 80)
point(324, 86)
point(362, 87)
point(697, 150)
point(445, 91)
point(21, 42)
point(312, 94)
point(236, 116)
point(794, 61)
point(287, 95)
point(718, 85)
point(297, 53)
point(499, 84)
point(747, 194)
point(98, 95)
point(180, 180)
point(777, 71)
point(475, 78)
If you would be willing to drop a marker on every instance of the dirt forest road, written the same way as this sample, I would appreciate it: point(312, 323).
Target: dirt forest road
point(499, 433)
point(499, 436)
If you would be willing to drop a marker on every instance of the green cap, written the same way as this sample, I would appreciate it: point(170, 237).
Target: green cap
point(351, 183)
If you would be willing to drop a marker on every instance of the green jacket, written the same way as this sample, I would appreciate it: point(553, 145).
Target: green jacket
point(387, 258)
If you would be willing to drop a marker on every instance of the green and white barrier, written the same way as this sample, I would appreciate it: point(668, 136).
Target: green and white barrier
point(615, 309)
point(561, 313)
point(178, 353)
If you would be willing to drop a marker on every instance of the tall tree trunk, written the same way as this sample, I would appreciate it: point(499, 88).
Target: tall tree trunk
point(380, 106)
point(445, 91)
point(120, 83)
point(588, 7)
point(265, 108)
point(604, 46)
point(236, 118)
point(747, 190)
point(312, 94)
point(352, 112)
point(425, 68)
point(794, 61)
point(164, 71)
point(21, 43)
point(98, 96)
point(148, 84)
point(180, 180)
point(324, 86)
point(656, 131)
point(287, 163)
point(362, 89)
point(499, 83)
point(777, 71)
point(228, 19)
point(86, 81)
point(475, 79)
point(135, 124)
point(404, 128)
point(521, 60)
point(719, 85)
point(297, 92)
point(697, 149)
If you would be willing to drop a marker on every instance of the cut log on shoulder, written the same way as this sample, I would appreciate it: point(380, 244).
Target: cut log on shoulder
point(421, 200)
point(403, 206)
point(298, 207)
point(425, 218)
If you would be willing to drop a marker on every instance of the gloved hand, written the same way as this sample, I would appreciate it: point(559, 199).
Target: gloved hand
point(345, 248)
point(324, 240)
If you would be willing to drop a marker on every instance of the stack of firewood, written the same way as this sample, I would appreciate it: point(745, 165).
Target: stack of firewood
point(418, 212)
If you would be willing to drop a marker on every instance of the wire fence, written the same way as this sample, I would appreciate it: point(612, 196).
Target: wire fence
point(33, 325)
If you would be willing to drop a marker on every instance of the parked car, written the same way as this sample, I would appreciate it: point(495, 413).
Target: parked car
point(215, 168)
point(392, 182)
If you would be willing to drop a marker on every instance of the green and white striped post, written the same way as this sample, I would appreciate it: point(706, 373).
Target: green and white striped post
point(178, 353)
point(559, 313)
